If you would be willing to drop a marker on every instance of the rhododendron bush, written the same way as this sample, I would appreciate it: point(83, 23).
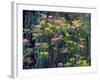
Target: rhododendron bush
point(56, 39)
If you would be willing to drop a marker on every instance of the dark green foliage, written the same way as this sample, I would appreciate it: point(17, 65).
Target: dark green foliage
point(55, 39)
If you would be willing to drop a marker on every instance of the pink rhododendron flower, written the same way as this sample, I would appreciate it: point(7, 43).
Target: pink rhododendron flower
point(55, 39)
point(49, 20)
point(58, 21)
point(73, 27)
point(25, 40)
point(60, 64)
point(50, 17)
point(77, 62)
point(66, 48)
point(37, 44)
